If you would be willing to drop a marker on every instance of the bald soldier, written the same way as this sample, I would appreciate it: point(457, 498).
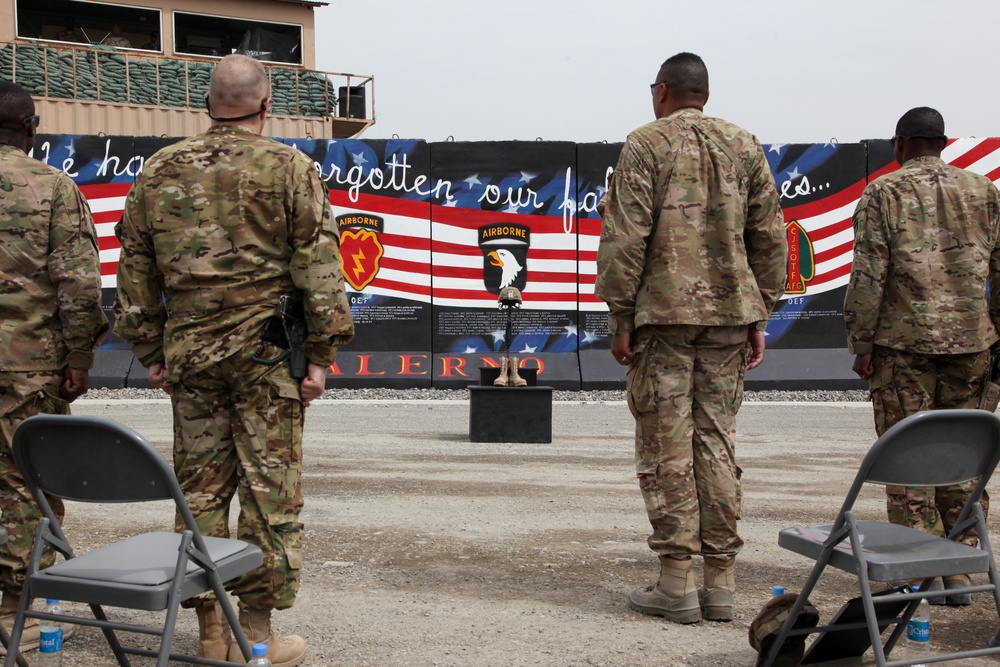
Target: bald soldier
point(216, 231)
point(50, 297)
point(691, 262)
point(919, 319)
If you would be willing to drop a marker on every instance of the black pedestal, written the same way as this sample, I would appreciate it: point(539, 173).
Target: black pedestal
point(510, 414)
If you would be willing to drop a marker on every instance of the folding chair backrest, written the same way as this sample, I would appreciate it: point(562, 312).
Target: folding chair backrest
point(91, 459)
point(935, 448)
point(97, 460)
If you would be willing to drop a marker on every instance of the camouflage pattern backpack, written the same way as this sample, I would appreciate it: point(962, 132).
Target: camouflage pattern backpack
point(765, 627)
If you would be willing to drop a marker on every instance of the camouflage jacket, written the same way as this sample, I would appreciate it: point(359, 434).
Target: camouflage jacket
point(50, 275)
point(926, 238)
point(216, 228)
point(692, 232)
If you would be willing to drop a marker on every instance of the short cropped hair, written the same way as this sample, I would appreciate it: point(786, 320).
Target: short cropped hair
point(685, 73)
point(238, 82)
point(921, 122)
point(15, 104)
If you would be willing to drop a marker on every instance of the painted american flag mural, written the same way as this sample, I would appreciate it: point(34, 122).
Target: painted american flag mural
point(827, 220)
point(430, 232)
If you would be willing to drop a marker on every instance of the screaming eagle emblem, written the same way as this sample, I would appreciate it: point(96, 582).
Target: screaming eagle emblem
point(505, 256)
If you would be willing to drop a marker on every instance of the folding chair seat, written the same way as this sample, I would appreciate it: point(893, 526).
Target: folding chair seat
point(933, 448)
point(97, 460)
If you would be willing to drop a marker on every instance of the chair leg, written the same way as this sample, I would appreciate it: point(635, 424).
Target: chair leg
point(110, 636)
point(174, 601)
point(231, 616)
point(866, 592)
point(900, 629)
point(14, 640)
point(985, 545)
point(5, 640)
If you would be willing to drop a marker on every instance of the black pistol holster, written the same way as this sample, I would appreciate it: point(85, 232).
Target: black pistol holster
point(989, 398)
point(287, 330)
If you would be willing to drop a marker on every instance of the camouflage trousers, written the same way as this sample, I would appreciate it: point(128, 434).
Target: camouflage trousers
point(238, 431)
point(685, 386)
point(905, 383)
point(22, 395)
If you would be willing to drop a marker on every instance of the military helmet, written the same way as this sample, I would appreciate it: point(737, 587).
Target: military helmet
point(510, 296)
point(765, 627)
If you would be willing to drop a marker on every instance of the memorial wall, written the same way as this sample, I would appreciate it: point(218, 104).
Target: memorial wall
point(430, 233)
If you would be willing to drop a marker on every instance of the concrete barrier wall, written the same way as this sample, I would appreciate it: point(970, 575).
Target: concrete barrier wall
point(431, 231)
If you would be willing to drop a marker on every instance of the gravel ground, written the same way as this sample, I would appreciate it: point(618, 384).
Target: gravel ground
point(423, 549)
point(463, 395)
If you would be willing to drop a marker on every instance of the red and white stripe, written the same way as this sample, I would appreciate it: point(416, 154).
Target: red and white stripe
point(828, 221)
point(458, 260)
point(404, 269)
point(107, 202)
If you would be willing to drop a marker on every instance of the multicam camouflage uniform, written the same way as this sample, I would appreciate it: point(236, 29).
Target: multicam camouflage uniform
point(223, 224)
point(692, 251)
point(926, 238)
point(50, 297)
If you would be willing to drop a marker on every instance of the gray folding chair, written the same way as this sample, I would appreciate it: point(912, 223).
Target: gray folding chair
point(97, 460)
point(934, 448)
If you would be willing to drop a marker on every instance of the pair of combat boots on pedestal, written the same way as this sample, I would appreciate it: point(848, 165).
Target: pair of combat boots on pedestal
point(509, 376)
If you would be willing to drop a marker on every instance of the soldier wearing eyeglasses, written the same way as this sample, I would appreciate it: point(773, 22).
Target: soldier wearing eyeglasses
point(691, 262)
point(51, 323)
point(919, 319)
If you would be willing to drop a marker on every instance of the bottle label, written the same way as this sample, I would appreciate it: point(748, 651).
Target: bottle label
point(918, 631)
point(50, 641)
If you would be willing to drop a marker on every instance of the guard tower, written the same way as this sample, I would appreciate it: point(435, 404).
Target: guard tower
point(141, 67)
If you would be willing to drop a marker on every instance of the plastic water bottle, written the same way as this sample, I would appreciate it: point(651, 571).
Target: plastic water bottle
point(918, 632)
point(50, 647)
point(259, 659)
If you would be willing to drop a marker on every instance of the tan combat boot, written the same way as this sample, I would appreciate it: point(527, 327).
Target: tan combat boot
point(513, 378)
point(281, 651)
point(674, 596)
point(957, 581)
point(720, 584)
point(214, 635)
point(32, 628)
point(501, 380)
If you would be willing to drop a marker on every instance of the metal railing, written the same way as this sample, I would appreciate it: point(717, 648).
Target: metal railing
point(105, 74)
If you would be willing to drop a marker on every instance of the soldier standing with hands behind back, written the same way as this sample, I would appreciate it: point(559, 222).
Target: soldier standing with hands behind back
point(691, 262)
point(50, 297)
point(223, 225)
point(919, 320)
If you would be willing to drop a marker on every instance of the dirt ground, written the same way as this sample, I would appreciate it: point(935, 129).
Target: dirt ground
point(423, 548)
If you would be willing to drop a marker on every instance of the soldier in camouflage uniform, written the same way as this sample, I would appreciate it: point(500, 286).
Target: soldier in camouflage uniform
point(926, 239)
point(50, 297)
point(691, 262)
point(222, 225)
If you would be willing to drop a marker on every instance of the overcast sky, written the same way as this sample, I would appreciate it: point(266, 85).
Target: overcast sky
point(579, 70)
